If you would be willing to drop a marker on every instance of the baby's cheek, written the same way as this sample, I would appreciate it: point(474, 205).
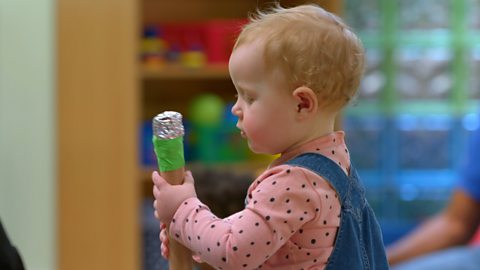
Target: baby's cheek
point(253, 132)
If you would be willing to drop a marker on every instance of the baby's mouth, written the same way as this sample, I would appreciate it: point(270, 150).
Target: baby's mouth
point(242, 133)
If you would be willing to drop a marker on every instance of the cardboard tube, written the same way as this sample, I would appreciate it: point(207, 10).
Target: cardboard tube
point(167, 140)
point(180, 257)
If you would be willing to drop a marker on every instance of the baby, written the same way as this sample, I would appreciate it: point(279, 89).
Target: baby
point(294, 70)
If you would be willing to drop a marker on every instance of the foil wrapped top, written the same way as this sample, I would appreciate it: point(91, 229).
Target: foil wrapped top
point(168, 125)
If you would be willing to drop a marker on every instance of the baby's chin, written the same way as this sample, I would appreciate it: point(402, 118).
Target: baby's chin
point(259, 150)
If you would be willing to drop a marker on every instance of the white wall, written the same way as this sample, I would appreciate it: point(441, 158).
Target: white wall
point(27, 129)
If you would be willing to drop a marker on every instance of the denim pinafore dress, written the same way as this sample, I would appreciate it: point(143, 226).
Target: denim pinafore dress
point(358, 244)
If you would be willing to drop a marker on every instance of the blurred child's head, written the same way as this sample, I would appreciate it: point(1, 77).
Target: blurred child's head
point(312, 48)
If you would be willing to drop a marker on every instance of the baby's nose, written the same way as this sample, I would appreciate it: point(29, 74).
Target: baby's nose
point(236, 110)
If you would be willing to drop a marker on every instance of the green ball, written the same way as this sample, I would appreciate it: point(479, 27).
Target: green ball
point(207, 109)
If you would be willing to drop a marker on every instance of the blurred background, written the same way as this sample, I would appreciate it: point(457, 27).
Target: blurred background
point(80, 81)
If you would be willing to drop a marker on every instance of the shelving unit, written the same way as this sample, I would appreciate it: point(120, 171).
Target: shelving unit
point(183, 83)
point(209, 72)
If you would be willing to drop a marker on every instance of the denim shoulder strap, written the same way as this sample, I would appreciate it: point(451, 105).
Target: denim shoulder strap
point(326, 168)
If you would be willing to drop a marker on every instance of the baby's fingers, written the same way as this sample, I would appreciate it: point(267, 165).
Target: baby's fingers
point(164, 237)
point(164, 251)
point(155, 213)
point(164, 242)
point(156, 193)
point(158, 180)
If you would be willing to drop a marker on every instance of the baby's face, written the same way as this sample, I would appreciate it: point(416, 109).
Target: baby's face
point(265, 106)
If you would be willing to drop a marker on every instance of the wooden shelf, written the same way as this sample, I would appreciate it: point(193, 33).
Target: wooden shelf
point(173, 72)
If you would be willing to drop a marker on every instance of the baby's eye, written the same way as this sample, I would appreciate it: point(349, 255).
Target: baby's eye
point(245, 97)
point(249, 99)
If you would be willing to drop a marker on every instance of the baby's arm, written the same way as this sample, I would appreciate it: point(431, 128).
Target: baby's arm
point(275, 211)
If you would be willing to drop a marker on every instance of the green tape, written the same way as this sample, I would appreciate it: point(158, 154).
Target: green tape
point(169, 153)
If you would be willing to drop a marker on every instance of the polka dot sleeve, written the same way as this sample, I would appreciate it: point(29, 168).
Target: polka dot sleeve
point(279, 203)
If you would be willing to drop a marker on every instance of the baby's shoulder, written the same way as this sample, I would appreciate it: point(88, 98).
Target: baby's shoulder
point(286, 174)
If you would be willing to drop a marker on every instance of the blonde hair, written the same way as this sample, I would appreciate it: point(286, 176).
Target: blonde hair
point(313, 47)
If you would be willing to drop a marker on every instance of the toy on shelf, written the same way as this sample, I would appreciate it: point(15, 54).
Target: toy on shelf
point(153, 48)
point(189, 44)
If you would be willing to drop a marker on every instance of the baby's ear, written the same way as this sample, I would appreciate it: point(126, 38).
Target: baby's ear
point(306, 100)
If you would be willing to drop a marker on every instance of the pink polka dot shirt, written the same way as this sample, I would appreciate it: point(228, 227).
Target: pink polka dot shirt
point(290, 219)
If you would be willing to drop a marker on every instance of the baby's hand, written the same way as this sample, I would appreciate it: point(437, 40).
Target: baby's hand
point(164, 241)
point(169, 197)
